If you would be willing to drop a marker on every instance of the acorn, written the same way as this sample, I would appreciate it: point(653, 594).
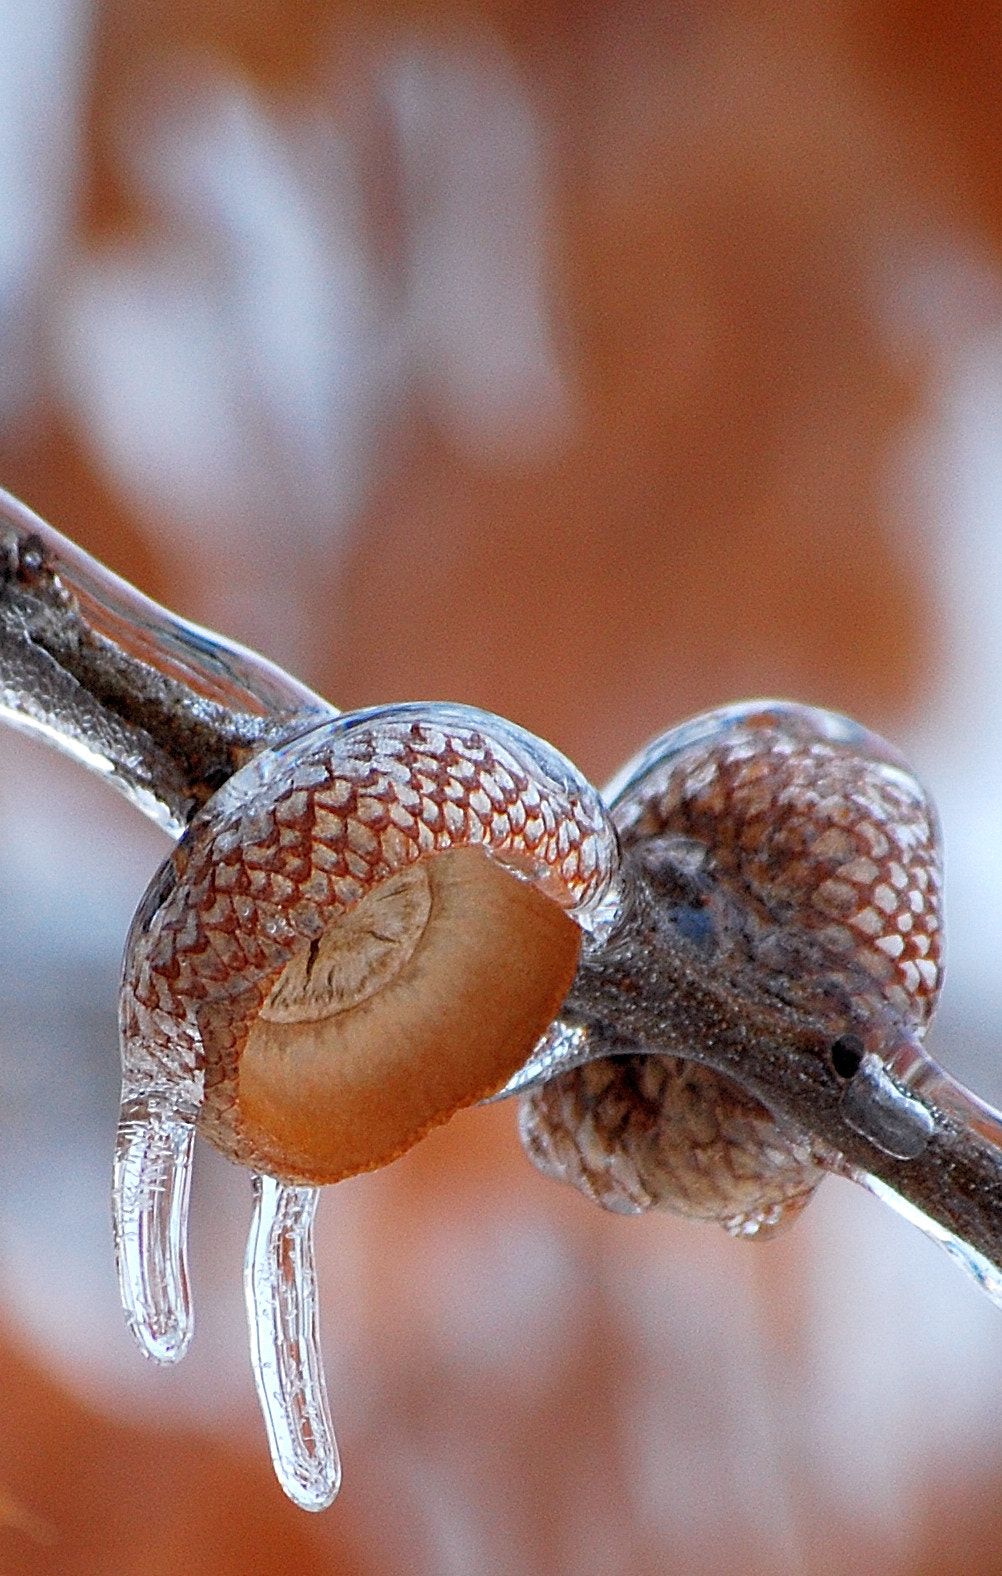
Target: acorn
point(363, 931)
point(806, 860)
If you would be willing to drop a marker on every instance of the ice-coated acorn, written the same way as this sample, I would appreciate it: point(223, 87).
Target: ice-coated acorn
point(800, 862)
point(363, 931)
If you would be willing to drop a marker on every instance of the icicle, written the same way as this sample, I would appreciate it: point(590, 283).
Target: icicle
point(982, 1271)
point(280, 1286)
point(150, 1192)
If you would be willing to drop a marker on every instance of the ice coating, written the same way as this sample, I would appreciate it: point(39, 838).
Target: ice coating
point(299, 837)
point(161, 709)
point(318, 872)
point(808, 862)
point(166, 712)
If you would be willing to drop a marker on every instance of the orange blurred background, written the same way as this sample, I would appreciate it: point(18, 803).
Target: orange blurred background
point(594, 364)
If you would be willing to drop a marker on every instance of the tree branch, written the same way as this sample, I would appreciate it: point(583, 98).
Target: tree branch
point(165, 710)
point(168, 712)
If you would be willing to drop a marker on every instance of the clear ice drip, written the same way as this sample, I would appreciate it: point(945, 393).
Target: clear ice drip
point(982, 1271)
point(280, 1286)
point(923, 1078)
point(150, 1192)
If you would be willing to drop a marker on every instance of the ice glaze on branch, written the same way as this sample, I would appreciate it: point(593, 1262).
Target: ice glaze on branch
point(167, 711)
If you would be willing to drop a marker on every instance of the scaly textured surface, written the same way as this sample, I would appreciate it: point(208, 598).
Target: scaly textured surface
point(648, 1132)
point(814, 834)
point(299, 838)
point(815, 877)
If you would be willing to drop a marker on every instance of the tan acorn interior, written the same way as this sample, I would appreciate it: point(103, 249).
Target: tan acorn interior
point(358, 956)
point(426, 997)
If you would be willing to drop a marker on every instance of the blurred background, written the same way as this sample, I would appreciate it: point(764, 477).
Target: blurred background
point(595, 364)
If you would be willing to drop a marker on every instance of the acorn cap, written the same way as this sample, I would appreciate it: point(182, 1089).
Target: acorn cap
point(423, 998)
point(814, 858)
point(819, 827)
point(365, 929)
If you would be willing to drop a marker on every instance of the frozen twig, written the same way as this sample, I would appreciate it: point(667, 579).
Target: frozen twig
point(683, 955)
point(163, 709)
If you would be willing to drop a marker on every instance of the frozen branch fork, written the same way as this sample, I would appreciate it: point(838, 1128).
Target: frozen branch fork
point(709, 986)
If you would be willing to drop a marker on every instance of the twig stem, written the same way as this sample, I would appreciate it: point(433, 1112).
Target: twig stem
point(163, 709)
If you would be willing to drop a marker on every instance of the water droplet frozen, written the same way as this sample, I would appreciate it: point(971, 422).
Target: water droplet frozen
point(876, 1107)
point(150, 1193)
point(280, 1286)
